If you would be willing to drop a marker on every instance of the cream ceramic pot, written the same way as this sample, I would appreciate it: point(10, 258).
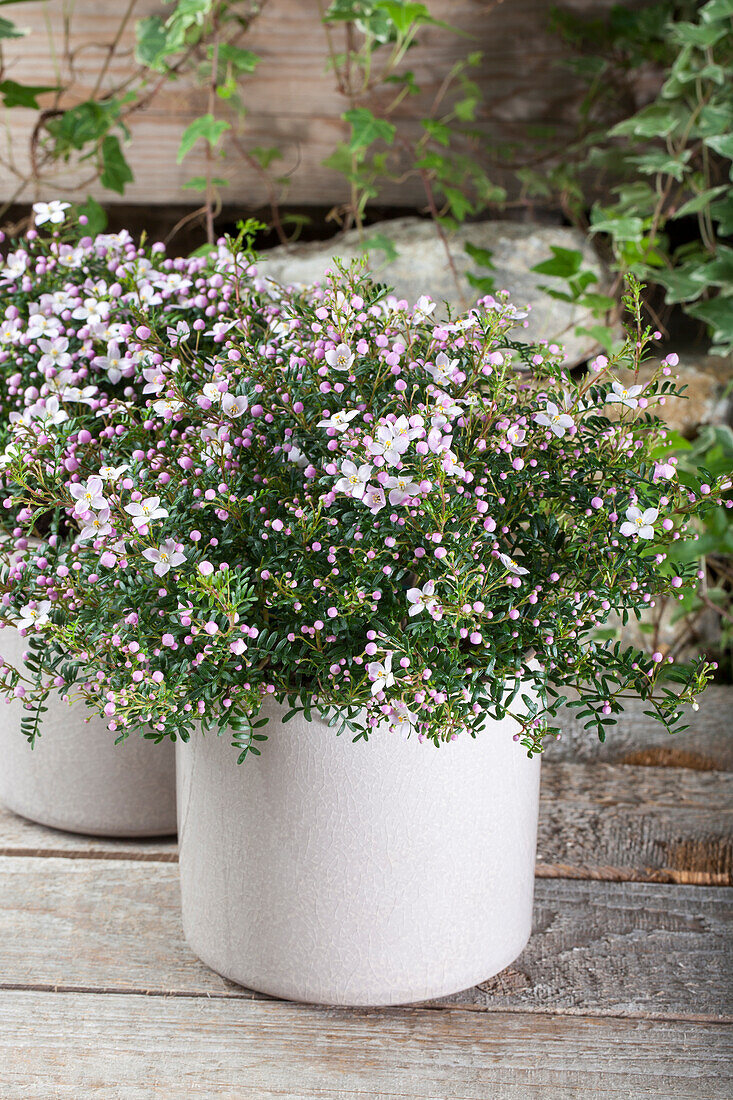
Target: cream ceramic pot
point(76, 778)
point(358, 874)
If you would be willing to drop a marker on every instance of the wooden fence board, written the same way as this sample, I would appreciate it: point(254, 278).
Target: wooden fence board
point(291, 100)
point(615, 949)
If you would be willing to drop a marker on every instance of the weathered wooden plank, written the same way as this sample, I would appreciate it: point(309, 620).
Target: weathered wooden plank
point(133, 1048)
point(613, 949)
point(291, 99)
point(632, 823)
point(637, 739)
point(596, 821)
point(20, 837)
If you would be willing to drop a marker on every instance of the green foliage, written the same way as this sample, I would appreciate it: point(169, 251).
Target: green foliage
point(23, 95)
point(671, 159)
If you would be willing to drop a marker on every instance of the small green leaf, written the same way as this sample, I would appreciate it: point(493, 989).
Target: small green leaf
point(116, 172)
point(206, 128)
point(9, 30)
point(366, 129)
point(481, 256)
point(699, 202)
point(24, 95)
point(564, 263)
point(379, 242)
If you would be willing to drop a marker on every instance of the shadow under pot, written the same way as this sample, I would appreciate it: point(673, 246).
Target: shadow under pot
point(375, 873)
point(76, 778)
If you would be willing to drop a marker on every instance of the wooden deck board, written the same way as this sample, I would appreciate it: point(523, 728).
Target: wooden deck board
point(611, 949)
point(596, 821)
point(624, 991)
point(73, 1046)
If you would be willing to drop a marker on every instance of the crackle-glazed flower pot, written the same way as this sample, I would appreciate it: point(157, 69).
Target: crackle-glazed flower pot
point(358, 874)
point(76, 778)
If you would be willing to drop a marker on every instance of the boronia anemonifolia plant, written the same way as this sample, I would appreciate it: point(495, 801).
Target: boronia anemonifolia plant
point(334, 499)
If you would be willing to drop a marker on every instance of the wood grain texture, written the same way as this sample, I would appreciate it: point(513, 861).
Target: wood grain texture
point(597, 821)
point(291, 100)
point(637, 739)
point(634, 823)
point(612, 949)
point(137, 1048)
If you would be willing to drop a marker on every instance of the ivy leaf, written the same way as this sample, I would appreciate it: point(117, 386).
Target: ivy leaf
point(716, 9)
point(9, 30)
point(718, 315)
point(116, 172)
point(481, 256)
point(242, 61)
point(95, 215)
point(656, 120)
point(405, 15)
point(379, 242)
point(207, 128)
point(366, 129)
point(699, 202)
point(153, 43)
point(723, 145)
point(24, 95)
point(199, 183)
point(565, 263)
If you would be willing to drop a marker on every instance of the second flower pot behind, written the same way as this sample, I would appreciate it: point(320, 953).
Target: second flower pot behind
point(76, 778)
point(362, 874)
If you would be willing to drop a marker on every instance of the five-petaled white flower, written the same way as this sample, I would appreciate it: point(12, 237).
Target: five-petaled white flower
point(339, 421)
point(95, 527)
point(167, 406)
point(89, 497)
point(515, 435)
point(511, 565)
point(423, 599)
point(341, 357)
point(354, 479)
point(381, 674)
point(179, 334)
point(423, 308)
point(444, 369)
point(639, 523)
point(145, 511)
point(212, 391)
point(166, 556)
point(234, 406)
point(296, 456)
point(401, 489)
point(558, 422)
point(623, 396)
point(52, 212)
point(402, 720)
point(113, 473)
point(374, 498)
point(393, 439)
point(33, 616)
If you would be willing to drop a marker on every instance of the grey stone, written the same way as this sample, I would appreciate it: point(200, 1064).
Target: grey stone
point(421, 267)
point(708, 397)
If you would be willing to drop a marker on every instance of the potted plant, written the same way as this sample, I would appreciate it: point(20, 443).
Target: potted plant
point(63, 350)
point(350, 522)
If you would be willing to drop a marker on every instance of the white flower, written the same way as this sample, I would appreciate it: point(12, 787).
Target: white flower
point(234, 406)
point(339, 420)
point(515, 434)
point(113, 362)
point(113, 473)
point(296, 456)
point(423, 308)
point(220, 328)
point(381, 674)
point(14, 266)
point(354, 479)
point(444, 369)
point(145, 512)
point(212, 391)
point(552, 418)
point(639, 523)
point(52, 212)
point(663, 471)
point(340, 358)
point(374, 498)
point(423, 599)
point(55, 353)
point(402, 720)
point(511, 565)
point(167, 556)
point(179, 334)
point(167, 406)
point(89, 497)
point(33, 616)
point(96, 527)
point(48, 411)
point(393, 439)
point(401, 489)
point(623, 396)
